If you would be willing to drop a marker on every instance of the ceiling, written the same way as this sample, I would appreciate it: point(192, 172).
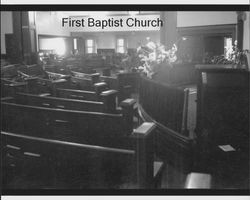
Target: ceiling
point(109, 13)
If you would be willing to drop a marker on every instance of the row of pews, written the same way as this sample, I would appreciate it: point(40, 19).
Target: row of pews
point(83, 130)
point(71, 78)
point(57, 135)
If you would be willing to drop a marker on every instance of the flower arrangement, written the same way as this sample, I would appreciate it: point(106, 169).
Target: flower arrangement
point(151, 55)
point(233, 55)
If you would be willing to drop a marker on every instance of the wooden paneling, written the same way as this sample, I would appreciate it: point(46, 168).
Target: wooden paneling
point(203, 39)
point(21, 45)
point(223, 107)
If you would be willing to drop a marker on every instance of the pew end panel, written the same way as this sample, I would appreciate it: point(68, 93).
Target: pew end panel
point(128, 107)
point(95, 78)
point(111, 81)
point(149, 171)
point(100, 87)
point(81, 83)
point(109, 99)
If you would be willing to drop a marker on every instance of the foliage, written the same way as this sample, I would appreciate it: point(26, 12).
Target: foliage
point(233, 56)
point(152, 55)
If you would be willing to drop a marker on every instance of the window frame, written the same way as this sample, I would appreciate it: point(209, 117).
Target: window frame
point(120, 46)
point(90, 47)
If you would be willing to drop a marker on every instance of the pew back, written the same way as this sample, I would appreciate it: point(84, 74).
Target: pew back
point(62, 164)
point(164, 103)
point(60, 123)
point(54, 102)
point(77, 94)
point(74, 123)
point(32, 162)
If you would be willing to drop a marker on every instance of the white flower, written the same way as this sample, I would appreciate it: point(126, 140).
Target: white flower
point(151, 45)
point(152, 57)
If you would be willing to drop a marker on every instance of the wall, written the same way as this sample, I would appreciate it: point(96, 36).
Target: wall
point(185, 19)
point(49, 23)
point(6, 27)
point(246, 36)
point(140, 37)
point(107, 40)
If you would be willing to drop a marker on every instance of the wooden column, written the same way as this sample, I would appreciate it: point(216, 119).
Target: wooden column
point(14, 41)
point(168, 32)
point(23, 40)
point(241, 16)
point(29, 37)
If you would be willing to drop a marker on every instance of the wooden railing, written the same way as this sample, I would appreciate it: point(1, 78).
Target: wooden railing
point(164, 103)
point(166, 106)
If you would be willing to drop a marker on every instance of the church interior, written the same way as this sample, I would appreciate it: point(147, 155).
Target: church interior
point(159, 105)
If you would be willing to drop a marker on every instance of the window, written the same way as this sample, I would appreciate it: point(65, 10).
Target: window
point(133, 12)
point(55, 44)
point(228, 46)
point(90, 46)
point(75, 43)
point(120, 46)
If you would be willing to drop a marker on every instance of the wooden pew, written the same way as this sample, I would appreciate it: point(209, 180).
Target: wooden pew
point(60, 123)
point(112, 82)
point(39, 85)
point(85, 95)
point(95, 77)
point(36, 84)
point(82, 81)
point(7, 81)
point(56, 76)
point(69, 165)
point(108, 104)
point(85, 84)
point(124, 83)
point(9, 71)
point(33, 70)
point(9, 88)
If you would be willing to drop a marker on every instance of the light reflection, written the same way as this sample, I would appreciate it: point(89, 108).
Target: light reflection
point(57, 45)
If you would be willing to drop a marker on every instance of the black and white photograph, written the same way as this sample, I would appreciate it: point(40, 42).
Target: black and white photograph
point(124, 100)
